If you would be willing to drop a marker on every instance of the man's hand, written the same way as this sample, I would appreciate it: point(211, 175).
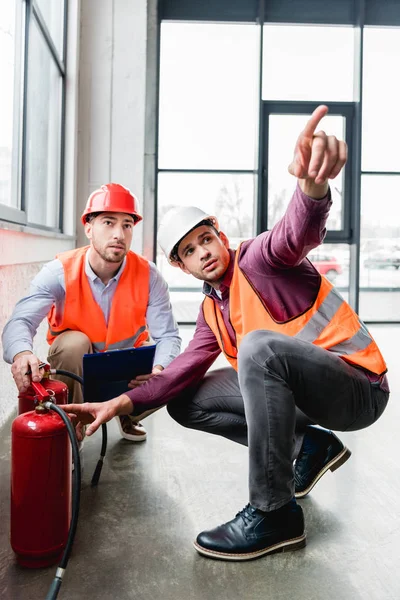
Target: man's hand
point(140, 379)
point(24, 368)
point(317, 157)
point(95, 414)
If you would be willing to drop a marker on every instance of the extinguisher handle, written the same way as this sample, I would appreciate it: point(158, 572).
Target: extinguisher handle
point(40, 391)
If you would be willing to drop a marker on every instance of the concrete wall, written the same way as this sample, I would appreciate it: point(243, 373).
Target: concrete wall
point(110, 137)
point(112, 99)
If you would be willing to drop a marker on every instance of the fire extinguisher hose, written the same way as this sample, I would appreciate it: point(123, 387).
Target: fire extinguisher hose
point(99, 466)
point(76, 495)
point(67, 374)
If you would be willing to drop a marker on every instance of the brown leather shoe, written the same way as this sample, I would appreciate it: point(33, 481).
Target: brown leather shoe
point(130, 429)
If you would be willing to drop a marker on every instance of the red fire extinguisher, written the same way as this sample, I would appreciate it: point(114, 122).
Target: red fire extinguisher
point(40, 478)
point(43, 522)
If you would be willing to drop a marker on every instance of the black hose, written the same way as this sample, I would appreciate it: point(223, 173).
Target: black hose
point(76, 496)
point(67, 374)
point(99, 466)
point(54, 588)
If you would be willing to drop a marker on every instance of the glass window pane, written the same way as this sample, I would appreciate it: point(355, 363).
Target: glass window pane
point(208, 96)
point(290, 51)
point(43, 133)
point(381, 100)
point(52, 12)
point(283, 131)
point(9, 99)
point(332, 260)
point(229, 197)
point(380, 248)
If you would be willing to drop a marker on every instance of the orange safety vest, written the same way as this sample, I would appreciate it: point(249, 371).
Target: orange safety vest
point(127, 323)
point(329, 323)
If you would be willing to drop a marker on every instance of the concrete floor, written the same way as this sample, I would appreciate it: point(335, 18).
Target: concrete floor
point(135, 534)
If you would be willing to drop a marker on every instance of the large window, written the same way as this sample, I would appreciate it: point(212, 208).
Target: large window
point(233, 98)
point(32, 40)
point(207, 135)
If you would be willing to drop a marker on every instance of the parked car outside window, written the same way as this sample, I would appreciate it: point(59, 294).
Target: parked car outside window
point(383, 259)
point(326, 264)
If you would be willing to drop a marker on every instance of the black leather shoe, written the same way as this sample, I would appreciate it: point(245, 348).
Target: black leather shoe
point(321, 451)
point(254, 533)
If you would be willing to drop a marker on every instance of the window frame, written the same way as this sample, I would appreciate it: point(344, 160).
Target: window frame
point(17, 214)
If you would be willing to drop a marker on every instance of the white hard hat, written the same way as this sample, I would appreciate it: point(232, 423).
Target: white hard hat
point(177, 223)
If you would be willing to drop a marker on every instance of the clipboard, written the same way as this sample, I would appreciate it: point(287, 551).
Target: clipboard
point(107, 374)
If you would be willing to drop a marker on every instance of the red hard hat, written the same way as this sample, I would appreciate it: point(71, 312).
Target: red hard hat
point(112, 198)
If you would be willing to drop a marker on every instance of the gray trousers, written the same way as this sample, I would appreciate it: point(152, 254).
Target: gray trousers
point(282, 385)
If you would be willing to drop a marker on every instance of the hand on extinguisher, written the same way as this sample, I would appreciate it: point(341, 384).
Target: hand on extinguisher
point(94, 414)
point(26, 367)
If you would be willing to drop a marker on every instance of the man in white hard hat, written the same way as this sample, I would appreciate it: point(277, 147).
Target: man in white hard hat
point(99, 297)
point(300, 356)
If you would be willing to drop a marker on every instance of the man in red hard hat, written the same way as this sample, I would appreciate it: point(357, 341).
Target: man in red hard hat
point(99, 297)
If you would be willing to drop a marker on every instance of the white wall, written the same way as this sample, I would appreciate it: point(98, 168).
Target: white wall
point(112, 94)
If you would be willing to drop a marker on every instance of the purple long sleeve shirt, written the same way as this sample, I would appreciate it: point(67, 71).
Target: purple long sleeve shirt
point(275, 264)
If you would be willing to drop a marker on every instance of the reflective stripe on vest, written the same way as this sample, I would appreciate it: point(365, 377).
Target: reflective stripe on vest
point(127, 322)
point(326, 312)
point(329, 323)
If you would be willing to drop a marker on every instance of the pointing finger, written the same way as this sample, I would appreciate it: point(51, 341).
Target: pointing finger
point(311, 125)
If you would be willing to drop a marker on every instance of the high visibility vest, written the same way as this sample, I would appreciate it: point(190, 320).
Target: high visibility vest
point(127, 322)
point(329, 323)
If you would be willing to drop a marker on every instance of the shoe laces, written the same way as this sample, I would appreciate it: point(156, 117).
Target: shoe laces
point(247, 513)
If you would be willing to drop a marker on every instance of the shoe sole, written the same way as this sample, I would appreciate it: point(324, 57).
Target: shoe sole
point(286, 546)
point(334, 464)
point(127, 436)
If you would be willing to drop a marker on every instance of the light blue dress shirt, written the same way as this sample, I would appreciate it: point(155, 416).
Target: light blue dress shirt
point(48, 288)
